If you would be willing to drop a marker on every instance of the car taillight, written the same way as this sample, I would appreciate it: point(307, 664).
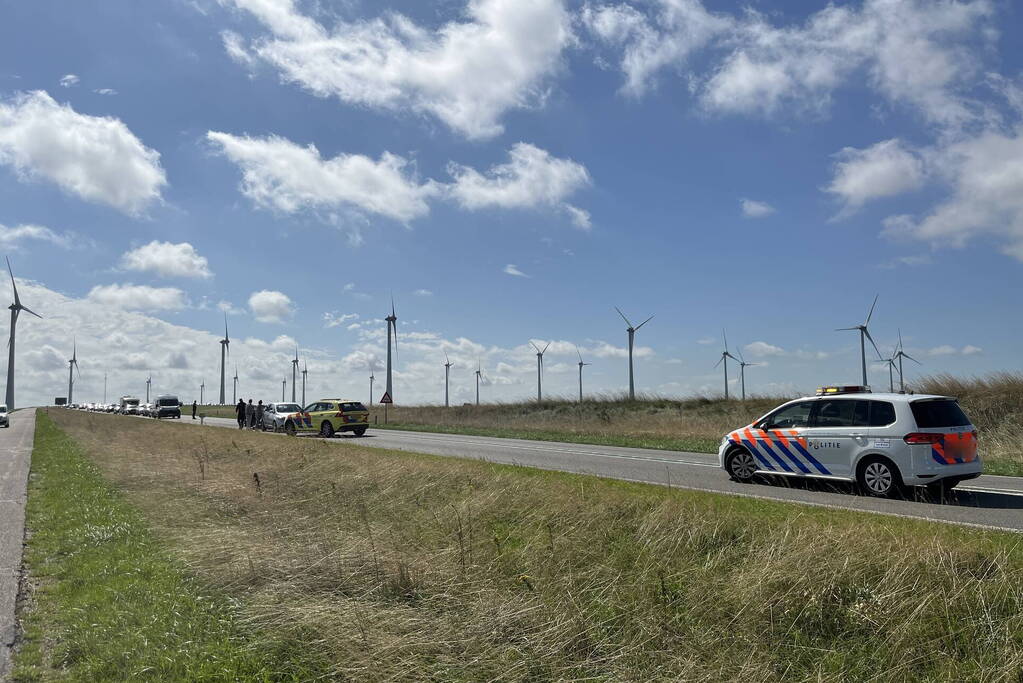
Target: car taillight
point(922, 437)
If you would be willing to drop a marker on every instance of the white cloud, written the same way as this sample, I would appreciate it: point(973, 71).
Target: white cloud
point(270, 306)
point(512, 269)
point(943, 350)
point(228, 307)
point(987, 195)
point(131, 297)
point(532, 177)
point(12, 237)
point(422, 292)
point(466, 73)
point(96, 158)
point(914, 52)
point(167, 260)
point(278, 174)
point(885, 169)
point(971, 350)
point(706, 340)
point(761, 349)
point(105, 91)
point(754, 209)
point(335, 319)
point(234, 45)
point(68, 80)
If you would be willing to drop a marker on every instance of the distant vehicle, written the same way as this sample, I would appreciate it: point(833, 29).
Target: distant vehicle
point(276, 414)
point(329, 416)
point(166, 405)
point(4, 420)
point(127, 403)
point(145, 409)
point(882, 442)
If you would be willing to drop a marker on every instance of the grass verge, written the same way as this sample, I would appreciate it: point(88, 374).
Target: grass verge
point(400, 566)
point(109, 603)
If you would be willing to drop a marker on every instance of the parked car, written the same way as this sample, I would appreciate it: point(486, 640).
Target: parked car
point(167, 405)
point(883, 442)
point(4, 418)
point(329, 416)
point(276, 414)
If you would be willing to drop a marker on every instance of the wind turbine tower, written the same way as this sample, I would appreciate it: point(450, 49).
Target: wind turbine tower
point(479, 379)
point(284, 387)
point(447, 377)
point(581, 366)
point(632, 329)
point(305, 372)
point(149, 383)
point(371, 378)
point(202, 393)
point(539, 370)
point(900, 354)
point(16, 309)
point(742, 372)
point(234, 395)
point(725, 355)
point(392, 324)
point(72, 365)
point(225, 352)
point(294, 376)
point(864, 336)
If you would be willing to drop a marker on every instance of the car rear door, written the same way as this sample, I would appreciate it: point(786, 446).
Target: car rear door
point(838, 431)
point(955, 438)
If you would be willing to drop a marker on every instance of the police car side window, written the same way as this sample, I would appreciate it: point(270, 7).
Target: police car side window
point(842, 413)
point(882, 413)
point(796, 415)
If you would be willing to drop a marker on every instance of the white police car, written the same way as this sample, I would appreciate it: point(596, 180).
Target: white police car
point(880, 441)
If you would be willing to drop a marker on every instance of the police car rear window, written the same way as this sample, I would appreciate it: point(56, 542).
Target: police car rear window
point(937, 414)
point(352, 406)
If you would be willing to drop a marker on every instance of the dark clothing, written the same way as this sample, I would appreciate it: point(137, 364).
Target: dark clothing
point(240, 413)
point(194, 405)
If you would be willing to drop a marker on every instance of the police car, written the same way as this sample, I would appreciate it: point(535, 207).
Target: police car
point(327, 417)
point(880, 441)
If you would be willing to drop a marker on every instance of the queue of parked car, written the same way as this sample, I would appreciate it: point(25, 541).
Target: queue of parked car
point(166, 406)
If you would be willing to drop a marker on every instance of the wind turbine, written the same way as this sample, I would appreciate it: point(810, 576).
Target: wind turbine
point(479, 379)
point(864, 335)
point(539, 370)
point(284, 386)
point(234, 395)
point(371, 378)
point(294, 375)
point(581, 366)
point(632, 329)
point(149, 383)
point(725, 355)
point(16, 309)
point(742, 372)
point(392, 323)
point(202, 393)
point(225, 352)
point(305, 371)
point(72, 365)
point(447, 376)
point(900, 354)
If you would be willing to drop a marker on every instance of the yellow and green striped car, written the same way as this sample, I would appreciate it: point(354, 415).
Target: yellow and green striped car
point(327, 417)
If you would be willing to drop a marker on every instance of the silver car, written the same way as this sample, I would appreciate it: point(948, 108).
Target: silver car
point(274, 415)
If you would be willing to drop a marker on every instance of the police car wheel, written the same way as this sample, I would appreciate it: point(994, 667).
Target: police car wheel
point(741, 465)
point(326, 430)
point(289, 429)
point(878, 477)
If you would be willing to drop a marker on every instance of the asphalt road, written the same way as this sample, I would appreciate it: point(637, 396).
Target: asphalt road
point(15, 453)
point(990, 501)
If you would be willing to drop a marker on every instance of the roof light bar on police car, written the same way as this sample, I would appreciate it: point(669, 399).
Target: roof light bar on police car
point(848, 389)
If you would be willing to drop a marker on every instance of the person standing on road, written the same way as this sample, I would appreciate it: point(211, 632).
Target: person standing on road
point(259, 414)
point(250, 415)
point(239, 411)
point(195, 405)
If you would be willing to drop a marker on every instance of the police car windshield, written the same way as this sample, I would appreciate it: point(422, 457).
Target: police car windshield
point(288, 408)
point(939, 413)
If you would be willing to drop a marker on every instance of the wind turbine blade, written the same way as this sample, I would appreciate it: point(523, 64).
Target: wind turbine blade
point(29, 310)
point(724, 338)
point(843, 329)
point(719, 361)
point(392, 307)
point(17, 301)
point(871, 309)
point(876, 350)
point(535, 347)
point(731, 356)
point(906, 355)
point(644, 322)
point(616, 308)
point(899, 347)
point(578, 353)
point(446, 359)
point(545, 348)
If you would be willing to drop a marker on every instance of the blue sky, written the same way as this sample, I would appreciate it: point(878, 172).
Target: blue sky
point(764, 167)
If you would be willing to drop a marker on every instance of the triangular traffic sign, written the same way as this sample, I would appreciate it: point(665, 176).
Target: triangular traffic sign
point(386, 398)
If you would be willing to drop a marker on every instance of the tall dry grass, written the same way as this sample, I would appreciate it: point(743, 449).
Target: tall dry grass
point(402, 567)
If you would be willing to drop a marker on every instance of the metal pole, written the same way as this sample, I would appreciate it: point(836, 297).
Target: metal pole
point(742, 379)
point(580, 382)
point(223, 386)
point(632, 385)
point(284, 386)
point(539, 393)
point(10, 361)
point(447, 375)
point(863, 356)
point(725, 363)
point(70, 383)
point(371, 389)
point(294, 367)
point(902, 378)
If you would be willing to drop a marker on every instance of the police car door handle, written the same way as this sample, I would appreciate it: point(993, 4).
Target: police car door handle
point(858, 436)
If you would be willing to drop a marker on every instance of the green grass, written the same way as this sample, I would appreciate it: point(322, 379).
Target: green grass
point(401, 566)
point(110, 603)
